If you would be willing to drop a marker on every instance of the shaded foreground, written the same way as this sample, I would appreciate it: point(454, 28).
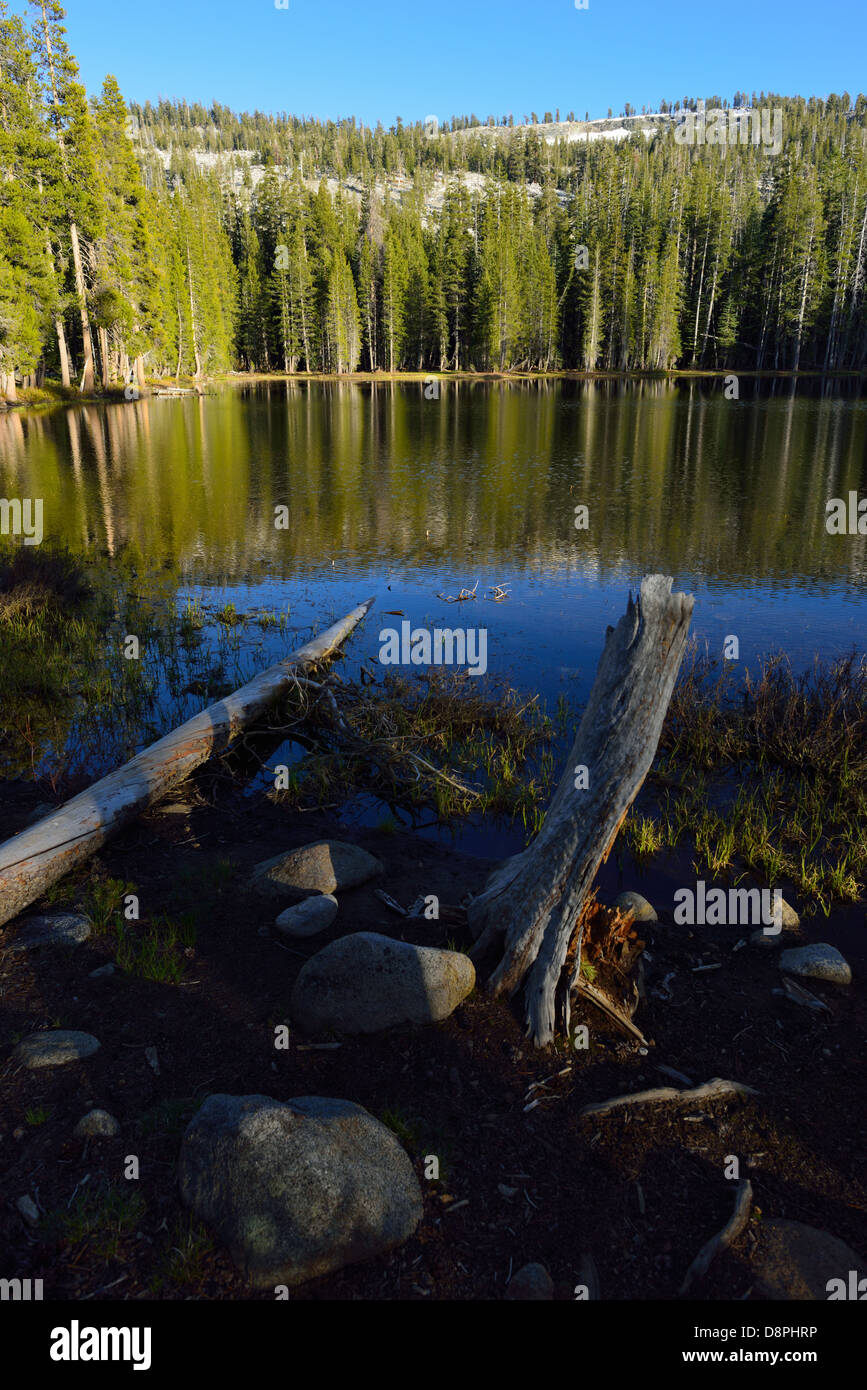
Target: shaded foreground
point(203, 981)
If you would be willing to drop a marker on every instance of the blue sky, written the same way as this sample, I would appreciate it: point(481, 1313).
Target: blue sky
point(378, 59)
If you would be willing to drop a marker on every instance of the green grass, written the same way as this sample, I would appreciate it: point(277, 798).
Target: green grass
point(770, 778)
point(101, 1216)
point(401, 1125)
point(434, 743)
point(186, 1258)
point(154, 950)
point(37, 1115)
point(104, 900)
point(168, 1117)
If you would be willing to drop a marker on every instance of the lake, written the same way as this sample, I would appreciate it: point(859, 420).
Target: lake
point(408, 499)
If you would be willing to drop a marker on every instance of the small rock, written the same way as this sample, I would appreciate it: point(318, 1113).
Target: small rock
point(300, 1188)
point(328, 866)
point(29, 1210)
point(642, 911)
point(366, 982)
point(102, 971)
point(795, 1262)
point(97, 1124)
point(532, 1282)
point(309, 917)
point(152, 1060)
point(817, 962)
point(506, 1191)
point(54, 1047)
point(51, 929)
point(790, 923)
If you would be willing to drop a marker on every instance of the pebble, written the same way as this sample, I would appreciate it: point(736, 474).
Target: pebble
point(97, 1124)
point(29, 1210)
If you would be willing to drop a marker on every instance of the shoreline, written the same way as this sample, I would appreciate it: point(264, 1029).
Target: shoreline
point(52, 394)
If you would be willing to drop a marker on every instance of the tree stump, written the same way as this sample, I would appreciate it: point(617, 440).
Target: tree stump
point(533, 901)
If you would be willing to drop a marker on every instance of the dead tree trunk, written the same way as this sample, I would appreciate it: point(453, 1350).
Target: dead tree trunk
point(533, 901)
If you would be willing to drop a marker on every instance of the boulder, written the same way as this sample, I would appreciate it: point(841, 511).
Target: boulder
point(366, 982)
point(297, 1189)
point(641, 909)
point(796, 1262)
point(53, 1048)
point(51, 929)
point(309, 917)
point(328, 866)
point(817, 962)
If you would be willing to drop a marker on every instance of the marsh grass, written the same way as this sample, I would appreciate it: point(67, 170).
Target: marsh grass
point(769, 776)
point(74, 704)
point(437, 742)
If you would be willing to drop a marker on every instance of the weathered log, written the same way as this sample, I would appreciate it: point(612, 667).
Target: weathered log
point(32, 861)
point(533, 901)
point(714, 1089)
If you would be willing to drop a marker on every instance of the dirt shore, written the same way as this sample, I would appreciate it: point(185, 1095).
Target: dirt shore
point(642, 1192)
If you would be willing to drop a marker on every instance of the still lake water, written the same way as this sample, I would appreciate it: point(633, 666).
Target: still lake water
point(404, 498)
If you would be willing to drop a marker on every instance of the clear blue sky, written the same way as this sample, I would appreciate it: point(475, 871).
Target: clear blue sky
point(385, 58)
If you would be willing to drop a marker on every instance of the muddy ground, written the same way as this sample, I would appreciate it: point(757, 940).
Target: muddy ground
point(641, 1191)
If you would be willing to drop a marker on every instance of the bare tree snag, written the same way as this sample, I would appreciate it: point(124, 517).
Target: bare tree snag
point(533, 901)
point(32, 861)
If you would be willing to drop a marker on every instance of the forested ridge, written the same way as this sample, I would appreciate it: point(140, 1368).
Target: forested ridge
point(175, 239)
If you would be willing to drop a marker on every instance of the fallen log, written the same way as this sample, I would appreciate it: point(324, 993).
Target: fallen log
point(709, 1090)
point(36, 858)
point(533, 901)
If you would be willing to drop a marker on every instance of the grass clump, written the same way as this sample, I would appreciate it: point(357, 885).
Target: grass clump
point(769, 776)
point(436, 742)
point(155, 950)
point(98, 1217)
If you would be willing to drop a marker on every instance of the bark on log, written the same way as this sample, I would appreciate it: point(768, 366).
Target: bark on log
point(32, 861)
point(533, 901)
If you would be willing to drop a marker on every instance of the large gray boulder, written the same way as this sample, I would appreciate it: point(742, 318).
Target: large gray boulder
point(297, 1189)
point(51, 929)
point(366, 982)
point(797, 1262)
point(328, 866)
point(54, 1047)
